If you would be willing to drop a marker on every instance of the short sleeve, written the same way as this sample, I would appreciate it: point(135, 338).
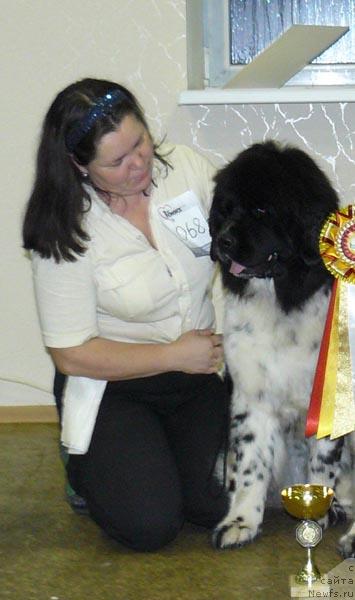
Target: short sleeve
point(66, 301)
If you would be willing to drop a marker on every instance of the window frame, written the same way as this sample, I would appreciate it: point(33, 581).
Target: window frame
point(218, 70)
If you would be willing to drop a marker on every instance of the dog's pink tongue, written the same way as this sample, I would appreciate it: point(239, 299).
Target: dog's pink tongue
point(236, 268)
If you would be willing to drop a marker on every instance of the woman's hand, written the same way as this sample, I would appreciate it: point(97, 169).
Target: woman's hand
point(198, 351)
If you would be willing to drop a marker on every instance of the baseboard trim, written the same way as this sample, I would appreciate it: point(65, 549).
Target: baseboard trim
point(28, 414)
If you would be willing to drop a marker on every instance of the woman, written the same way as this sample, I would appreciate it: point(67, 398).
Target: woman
point(122, 276)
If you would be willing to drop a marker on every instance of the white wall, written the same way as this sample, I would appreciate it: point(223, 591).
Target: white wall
point(45, 45)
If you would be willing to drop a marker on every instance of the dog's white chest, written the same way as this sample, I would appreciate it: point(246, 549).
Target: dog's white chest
point(272, 355)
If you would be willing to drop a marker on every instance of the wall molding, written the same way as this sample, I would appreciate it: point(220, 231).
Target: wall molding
point(286, 95)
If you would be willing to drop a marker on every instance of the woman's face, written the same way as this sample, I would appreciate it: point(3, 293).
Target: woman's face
point(124, 159)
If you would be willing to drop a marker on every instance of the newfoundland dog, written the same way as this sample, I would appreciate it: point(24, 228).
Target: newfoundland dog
point(268, 209)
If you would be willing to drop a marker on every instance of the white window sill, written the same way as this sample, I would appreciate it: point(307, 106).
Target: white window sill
point(284, 95)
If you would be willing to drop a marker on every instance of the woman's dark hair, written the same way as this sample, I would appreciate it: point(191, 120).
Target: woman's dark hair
point(53, 219)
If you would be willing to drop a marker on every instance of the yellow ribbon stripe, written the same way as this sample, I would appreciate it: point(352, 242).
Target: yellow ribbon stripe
point(344, 405)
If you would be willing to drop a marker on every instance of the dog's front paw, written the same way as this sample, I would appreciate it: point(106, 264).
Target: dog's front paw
point(234, 535)
point(346, 546)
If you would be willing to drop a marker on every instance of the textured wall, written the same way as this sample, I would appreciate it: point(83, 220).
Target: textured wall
point(44, 46)
point(326, 131)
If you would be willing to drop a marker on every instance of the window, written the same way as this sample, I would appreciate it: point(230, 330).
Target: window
point(236, 30)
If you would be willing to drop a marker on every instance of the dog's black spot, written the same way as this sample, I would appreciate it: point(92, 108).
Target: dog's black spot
point(292, 337)
point(333, 455)
point(232, 486)
point(240, 519)
point(320, 469)
point(233, 344)
point(247, 472)
point(331, 475)
point(239, 456)
point(249, 437)
point(247, 483)
point(262, 368)
point(249, 295)
point(219, 537)
point(336, 513)
point(244, 327)
point(260, 476)
point(241, 417)
point(271, 450)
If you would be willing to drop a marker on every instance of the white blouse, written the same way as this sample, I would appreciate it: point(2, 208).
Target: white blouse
point(124, 289)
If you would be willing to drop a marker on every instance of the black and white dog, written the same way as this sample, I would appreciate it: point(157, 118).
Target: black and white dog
point(268, 209)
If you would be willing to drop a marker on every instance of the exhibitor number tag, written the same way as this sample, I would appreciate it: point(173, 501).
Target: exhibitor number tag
point(183, 216)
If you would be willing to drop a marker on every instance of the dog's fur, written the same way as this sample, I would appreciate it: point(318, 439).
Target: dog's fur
point(268, 208)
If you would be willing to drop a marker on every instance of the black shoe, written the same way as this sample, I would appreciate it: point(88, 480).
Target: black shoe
point(76, 502)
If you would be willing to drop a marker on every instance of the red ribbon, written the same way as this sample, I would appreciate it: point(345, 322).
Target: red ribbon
point(318, 383)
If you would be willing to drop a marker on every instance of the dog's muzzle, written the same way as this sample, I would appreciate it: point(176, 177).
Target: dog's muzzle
point(266, 269)
point(223, 250)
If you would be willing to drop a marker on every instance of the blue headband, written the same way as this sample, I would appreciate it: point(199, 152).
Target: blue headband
point(101, 108)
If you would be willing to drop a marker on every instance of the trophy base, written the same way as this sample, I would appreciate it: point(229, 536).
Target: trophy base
point(301, 589)
point(309, 574)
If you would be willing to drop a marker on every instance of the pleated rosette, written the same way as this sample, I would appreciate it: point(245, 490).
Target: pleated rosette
point(332, 408)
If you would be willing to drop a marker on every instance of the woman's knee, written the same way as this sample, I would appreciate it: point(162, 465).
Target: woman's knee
point(152, 537)
point(143, 535)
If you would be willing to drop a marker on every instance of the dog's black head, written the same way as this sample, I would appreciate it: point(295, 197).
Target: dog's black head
point(268, 208)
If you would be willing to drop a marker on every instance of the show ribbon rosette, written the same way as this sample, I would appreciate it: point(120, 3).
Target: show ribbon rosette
point(332, 408)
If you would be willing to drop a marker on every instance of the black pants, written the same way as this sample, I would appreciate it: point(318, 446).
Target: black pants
point(152, 456)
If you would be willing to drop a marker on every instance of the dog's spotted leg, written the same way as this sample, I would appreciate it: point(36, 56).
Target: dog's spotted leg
point(346, 545)
point(254, 449)
point(324, 469)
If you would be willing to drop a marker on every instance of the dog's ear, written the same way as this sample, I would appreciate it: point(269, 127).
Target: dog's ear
point(309, 239)
point(213, 218)
point(310, 257)
point(213, 253)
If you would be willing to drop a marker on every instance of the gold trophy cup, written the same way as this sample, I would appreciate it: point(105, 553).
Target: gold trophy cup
point(307, 502)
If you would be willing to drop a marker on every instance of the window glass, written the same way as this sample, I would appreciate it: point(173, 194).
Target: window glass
point(255, 24)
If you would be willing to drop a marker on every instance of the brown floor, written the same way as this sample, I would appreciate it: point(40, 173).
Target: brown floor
point(49, 553)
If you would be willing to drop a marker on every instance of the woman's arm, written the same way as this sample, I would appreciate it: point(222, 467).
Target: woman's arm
point(197, 351)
